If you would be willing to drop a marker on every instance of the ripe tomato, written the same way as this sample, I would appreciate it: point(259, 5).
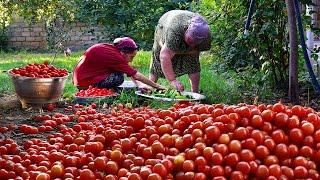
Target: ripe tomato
point(256, 121)
point(278, 107)
point(267, 115)
point(192, 153)
point(100, 163)
point(222, 149)
point(249, 143)
point(300, 161)
point(57, 170)
point(207, 152)
point(217, 170)
point(293, 122)
point(154, 176)
point(241, 133)
point(160, 169)
point(262, 172)
point(296, 135)
point(234, 146)
point(167, 140)
point(200, 176)
point(271, 159)
point(307, 128)
point(212, 132)
point(244, 167)
point(145, 172)
point(232, 159)
point(275, 170)
point(247, 155)
point(43, 176)
point(244, 111)
point(134, 176)
point(224, 139)
point(178, 161)
point(116, 156)
point(157, 147)
point(300, 172)
point(188, 165)
point(86, 174)
point(278, 136)
point(281, 119)
point(112, 167)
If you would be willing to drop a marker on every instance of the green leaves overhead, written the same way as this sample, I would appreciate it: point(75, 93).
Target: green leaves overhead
point(136, 18)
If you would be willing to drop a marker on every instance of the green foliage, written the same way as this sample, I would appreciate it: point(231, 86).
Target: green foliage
point(113, 18)
point(126, 18)
point(264, 50)
point(5, 20)
point(3, 38)
point(56, 15)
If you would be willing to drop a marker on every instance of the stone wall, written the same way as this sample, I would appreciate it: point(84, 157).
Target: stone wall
point(23, 35)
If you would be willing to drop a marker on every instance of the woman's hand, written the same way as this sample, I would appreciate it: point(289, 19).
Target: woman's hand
point(177, 85)
point(140, 77)
point(161, 87)
point(144, 88)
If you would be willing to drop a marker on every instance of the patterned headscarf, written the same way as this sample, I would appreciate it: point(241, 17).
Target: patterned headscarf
point(125, 44)
point(198, 29)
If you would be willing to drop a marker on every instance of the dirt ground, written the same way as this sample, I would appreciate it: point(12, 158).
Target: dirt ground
point(11, 113)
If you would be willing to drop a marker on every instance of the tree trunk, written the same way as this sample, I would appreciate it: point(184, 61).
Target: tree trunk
point(293, 60)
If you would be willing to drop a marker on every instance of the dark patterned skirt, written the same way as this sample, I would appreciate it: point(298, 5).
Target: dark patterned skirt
point(112, 81)
point(182, 64)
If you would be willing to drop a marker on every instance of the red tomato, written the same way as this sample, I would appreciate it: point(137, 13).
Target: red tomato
point(134, 176)
point(232, 159)
point(154, 176)
point(249, 143)
point(296, 135)
point(217, 170)
point(188, 165)
point(234, 146)
point(307, 128)
point(247, 155)
point(43, 176)
point(257, 121)
point(261, 151)
point(212, 132)
point(160, 169)
point(241, 133)
point(267, 115)
point(112, 167)
point(262, 172)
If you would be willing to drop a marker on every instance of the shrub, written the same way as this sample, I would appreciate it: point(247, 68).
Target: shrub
point(264, 50)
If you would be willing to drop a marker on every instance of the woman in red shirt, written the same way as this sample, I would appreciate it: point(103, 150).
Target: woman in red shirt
point(104, 65)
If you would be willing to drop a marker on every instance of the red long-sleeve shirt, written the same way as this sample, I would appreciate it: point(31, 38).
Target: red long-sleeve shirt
point(98, 62)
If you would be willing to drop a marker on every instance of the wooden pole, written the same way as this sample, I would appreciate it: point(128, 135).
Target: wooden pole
point(293, 60)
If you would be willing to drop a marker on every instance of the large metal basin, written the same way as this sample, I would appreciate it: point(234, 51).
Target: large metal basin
point(38, 90)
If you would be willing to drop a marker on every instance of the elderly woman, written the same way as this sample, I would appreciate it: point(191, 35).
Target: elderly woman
point(104, 65)
point(179, 37)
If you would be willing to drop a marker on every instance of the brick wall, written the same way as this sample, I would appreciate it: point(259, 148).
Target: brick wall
point(23, 35)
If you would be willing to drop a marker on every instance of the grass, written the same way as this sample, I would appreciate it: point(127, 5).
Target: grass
point(217, 88)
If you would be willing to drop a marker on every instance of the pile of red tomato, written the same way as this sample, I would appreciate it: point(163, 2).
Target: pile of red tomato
point(94, 92)
point(43, 70)
point(185, 142)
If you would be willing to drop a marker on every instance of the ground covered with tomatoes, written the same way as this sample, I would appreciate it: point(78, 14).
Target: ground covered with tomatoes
point(186, 141)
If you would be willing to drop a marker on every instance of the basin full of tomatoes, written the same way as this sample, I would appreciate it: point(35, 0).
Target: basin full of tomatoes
point(35, 70)
point(95, 92)
point(186, 141)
